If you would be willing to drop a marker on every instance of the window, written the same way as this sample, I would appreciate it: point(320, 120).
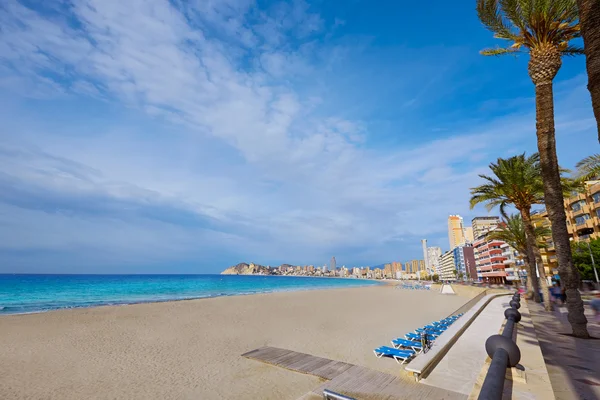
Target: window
point(596, 197)
point(577, 206)
point(580, 219)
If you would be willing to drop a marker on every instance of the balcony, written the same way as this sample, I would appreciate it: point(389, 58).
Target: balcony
point(494, 274)
point(575, 198)
point(588, 223)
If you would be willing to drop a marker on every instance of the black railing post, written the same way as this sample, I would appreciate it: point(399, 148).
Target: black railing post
point(504, 353)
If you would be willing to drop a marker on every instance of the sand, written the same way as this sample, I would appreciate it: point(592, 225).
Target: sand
point(191, 349)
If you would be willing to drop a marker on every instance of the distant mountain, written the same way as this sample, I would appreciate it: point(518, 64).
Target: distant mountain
point(247, 269)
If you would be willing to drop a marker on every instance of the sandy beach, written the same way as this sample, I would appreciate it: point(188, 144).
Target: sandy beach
point(191, 349)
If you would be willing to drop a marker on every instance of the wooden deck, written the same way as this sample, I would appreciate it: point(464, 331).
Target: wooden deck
point(348, 379)
point(299, 362)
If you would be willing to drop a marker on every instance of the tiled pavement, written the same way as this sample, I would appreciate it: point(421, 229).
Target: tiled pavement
point(573, 364)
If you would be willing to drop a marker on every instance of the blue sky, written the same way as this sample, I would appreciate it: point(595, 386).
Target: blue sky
point(185, 136)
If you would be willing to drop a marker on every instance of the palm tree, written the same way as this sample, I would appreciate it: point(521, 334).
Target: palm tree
point(589, 18)
point(544, 28)
point(513, 232)
point(517, 182)
point(589, 168)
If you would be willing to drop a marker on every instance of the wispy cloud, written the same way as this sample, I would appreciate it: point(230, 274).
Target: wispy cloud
point(235, 155)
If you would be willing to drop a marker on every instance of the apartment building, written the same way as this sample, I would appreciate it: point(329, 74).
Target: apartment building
point(464, 262)
point(513, 263)
point(490, 260)
point(447, 266)
point(548, 253)
point(583, 213)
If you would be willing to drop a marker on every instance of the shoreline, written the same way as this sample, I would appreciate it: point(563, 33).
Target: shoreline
point(205, 297)
point(192, 349)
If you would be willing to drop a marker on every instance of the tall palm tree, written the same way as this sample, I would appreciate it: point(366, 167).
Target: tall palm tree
point(517, 182)
point(513, 232)
point(589, 18)
point(544, 28)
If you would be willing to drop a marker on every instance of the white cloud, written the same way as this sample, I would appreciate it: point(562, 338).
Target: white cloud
point(229, 138)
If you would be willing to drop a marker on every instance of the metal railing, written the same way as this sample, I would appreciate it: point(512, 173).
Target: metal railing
point(504, 353)
point(329, 395)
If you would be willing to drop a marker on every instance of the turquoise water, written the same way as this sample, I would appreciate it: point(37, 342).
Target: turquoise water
point(37, 293)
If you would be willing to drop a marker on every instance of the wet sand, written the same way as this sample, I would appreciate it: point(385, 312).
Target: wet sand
point(191, 349)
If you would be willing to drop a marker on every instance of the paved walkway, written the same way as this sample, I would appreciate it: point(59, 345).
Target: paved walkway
point(460, 367)
point(573, 364)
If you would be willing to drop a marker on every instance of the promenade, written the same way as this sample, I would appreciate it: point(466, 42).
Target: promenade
point(573, 364)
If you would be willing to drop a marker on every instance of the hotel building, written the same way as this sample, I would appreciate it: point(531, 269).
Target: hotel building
point(447, 266)
point(490, 260)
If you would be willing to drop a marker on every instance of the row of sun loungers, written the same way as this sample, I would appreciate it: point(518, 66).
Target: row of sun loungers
point(413, 287)
point(410, 345)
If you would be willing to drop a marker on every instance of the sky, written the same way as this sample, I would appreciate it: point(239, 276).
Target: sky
point(185, 136)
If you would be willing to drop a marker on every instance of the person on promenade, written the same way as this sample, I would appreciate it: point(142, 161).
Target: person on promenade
point(595, 303)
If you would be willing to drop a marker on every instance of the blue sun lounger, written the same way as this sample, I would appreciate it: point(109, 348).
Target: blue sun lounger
point(417, 336)
point(401, 356)
point(437, 328)
point(437, 332)
point(407, 344)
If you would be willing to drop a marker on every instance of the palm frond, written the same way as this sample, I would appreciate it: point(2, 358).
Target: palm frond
point(514, 12)
point(490, 15)
point(588, 168)
point(499, 51)
point(572, 51)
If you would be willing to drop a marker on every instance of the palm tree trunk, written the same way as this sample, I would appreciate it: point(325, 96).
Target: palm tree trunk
point(535, 255)
point(532, 282)
point(589, 19)
point(553, 197)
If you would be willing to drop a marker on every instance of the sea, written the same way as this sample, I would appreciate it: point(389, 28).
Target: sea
point(23, 294)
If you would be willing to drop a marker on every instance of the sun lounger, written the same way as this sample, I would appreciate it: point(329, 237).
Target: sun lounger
point(408, 344)
point(417, 336)
point(401, 356)
point(440, 328)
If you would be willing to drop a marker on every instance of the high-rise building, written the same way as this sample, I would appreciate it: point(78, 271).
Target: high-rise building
point(456, 232)
point(425, 254)
point(433, 256)
point(387, 270)
point(407, 267)
point(482, 225)
point(414, 266)
point(447, 269)
point(464, 262)
point(422, 268)
point(469, 239)
point(332, 264)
